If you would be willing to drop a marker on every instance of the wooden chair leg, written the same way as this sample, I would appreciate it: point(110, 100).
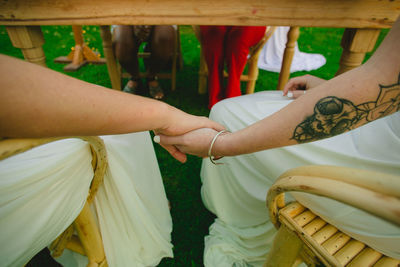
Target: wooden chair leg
point(30, 40)
point(81, 54)
point(285, 249)
point(292, 37)
point(174, 61)
point(252, 75)
point(115, 76)
point(202, 75)
point(180, 57)
point(90, 237)
point(355, 43)
point(173, 74)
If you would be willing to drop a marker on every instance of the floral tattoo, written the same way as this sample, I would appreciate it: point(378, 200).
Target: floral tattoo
point(334, 115)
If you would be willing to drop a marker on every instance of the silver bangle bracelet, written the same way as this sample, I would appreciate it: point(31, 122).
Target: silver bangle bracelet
point(211, 146)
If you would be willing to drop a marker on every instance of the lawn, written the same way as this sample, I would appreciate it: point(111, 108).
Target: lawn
point(182, 183)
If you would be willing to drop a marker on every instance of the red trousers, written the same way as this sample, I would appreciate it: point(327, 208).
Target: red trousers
point(228, 44)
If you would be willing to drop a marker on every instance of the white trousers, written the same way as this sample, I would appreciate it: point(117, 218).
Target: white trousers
point(236, 191)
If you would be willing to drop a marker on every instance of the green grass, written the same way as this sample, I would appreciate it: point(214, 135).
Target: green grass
point(182, 184)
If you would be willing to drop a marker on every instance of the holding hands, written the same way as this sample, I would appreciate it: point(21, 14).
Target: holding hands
point(196, 142)
point(187, 134)
point(193, 135)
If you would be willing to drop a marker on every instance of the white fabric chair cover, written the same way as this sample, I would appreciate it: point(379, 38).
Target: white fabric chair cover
point(236, 191)
point(43, 190)
point(271, 56)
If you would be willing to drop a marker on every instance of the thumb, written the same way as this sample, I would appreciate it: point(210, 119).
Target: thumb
point(218, 127)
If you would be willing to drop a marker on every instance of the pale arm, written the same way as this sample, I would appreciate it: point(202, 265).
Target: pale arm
point(39, 102)
point(359, 90)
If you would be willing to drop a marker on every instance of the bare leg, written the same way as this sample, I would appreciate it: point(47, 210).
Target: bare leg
point(162, 49)
point(126, 48)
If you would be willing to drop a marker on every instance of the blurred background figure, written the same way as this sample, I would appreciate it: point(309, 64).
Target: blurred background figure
point(230, 45)
point(271, 55)
point(159, 41)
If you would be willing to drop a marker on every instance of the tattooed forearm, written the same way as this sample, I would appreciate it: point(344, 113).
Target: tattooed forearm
point(333, 115)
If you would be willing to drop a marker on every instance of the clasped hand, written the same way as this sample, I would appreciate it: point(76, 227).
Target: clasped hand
point(196, 142)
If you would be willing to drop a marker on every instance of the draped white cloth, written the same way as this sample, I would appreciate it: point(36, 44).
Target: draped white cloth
point(236, 191)
point(271, 55)
point(43, 190)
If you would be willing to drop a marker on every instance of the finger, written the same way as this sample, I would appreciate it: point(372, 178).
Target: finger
point(295, 83)
point(178, 155)
point(167, 140)
point(216, 126)
point(288, 87)
point(296, 93)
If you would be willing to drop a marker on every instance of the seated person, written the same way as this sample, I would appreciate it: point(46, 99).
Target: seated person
point(43, 190)
point(159, 41)
point(230, 45)
point(358, 114)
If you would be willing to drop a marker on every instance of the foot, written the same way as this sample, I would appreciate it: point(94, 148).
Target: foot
point(132, 87)
point(155, 90)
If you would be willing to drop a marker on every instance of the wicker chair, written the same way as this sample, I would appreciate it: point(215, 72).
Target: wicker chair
point(252, 73)
point(88, 240)
point(304, 237)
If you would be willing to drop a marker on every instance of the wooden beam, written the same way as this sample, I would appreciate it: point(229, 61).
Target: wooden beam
point(307, 13)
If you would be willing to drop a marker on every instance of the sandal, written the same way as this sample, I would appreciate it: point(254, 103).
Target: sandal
point(155, 90)
point(132, 86)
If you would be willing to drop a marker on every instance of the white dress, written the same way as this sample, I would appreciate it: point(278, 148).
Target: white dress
point(43, 190)
point(236, 191)
point(271, 55)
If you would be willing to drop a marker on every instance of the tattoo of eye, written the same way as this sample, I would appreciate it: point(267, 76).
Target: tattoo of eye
point(333, 115)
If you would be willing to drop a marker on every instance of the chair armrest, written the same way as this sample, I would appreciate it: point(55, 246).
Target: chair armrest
point(373, 192)
point(10, 147)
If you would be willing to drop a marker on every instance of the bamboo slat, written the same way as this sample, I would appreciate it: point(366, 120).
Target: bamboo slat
point(291, 210)
point(314, 226)
point(387, 262)
point(325, 233)
point(366, 258)
point(304, 218)
point(349, 251)
point(335, 242)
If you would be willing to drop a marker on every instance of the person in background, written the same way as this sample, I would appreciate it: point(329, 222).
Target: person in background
point(227, 45)
point(159, 41)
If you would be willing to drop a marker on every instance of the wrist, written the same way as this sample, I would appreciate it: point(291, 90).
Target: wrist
point(166, 114)
point(220, 145)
